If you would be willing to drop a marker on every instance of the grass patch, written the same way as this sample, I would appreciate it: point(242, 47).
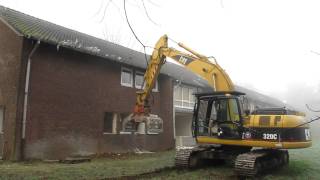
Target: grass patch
point(96, 169)
point(304, 164)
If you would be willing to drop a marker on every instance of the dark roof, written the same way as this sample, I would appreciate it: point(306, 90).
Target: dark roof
point(45, 31)
point(38, 29)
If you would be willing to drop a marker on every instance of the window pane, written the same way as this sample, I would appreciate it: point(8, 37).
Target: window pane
point(213, 114)
point(177, 93)
point(191, 105)
point(178, 103)
point(138, 80)
point(235, 116)
point(222, 110)
point(185, 104)
point(107, 123)
point(191, 96)
point(185, 94)
point(202, 123)
point(126, 76)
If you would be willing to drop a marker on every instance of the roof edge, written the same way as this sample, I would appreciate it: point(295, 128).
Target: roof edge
point(12, 28)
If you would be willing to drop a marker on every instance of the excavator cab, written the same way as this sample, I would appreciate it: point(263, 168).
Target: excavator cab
point(218, 114)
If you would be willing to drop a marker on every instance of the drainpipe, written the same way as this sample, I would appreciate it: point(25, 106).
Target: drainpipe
point(26, 92)
point(174, 113)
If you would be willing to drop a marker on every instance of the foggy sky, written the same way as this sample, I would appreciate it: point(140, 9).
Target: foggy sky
point(269, 46)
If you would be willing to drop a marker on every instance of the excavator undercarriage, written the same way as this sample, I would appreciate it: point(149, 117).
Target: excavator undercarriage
point(245, 162)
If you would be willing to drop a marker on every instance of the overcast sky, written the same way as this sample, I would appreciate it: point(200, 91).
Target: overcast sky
point(266, 45)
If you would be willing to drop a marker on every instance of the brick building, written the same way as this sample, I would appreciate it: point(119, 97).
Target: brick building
point(65, 93)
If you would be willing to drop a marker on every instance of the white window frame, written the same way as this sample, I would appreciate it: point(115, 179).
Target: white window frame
point(189, 99)
point(139, 73)
point(131, 72)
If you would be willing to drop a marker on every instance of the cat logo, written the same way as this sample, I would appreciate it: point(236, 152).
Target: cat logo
point(183, 59)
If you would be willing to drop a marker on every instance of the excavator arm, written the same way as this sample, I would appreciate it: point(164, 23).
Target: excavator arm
point(216, 77)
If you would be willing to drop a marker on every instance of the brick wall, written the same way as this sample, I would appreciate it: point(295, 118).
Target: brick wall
point(69, 94)
point(10, 75)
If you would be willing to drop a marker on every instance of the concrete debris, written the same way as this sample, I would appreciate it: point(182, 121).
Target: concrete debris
point(138, 151)
point(184, 147)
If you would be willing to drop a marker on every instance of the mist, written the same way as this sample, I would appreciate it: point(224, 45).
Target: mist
point(298, 95)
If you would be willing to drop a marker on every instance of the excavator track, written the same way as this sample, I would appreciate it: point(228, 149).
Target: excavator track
point(189, 157)
point(246, 164)
point(182, 158)
point(255, 162)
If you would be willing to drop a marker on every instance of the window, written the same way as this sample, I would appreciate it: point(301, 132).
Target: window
point(177, 96)
point(126, 77)
point(215, 113)
point(1, 118)
point(110, 123)
point(138, 80)
point(183, 96)
point(235, 113)
point(202, 120)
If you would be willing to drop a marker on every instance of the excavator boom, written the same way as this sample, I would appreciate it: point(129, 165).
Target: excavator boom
point(216, 77)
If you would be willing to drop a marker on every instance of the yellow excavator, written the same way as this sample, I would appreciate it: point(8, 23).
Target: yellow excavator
point(254, 142)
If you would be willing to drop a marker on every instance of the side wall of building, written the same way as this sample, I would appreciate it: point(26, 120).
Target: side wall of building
point(70, 92)
point(10, 75)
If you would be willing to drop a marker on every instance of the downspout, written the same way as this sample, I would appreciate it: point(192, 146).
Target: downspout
point(174, 114)
point(26, 94)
